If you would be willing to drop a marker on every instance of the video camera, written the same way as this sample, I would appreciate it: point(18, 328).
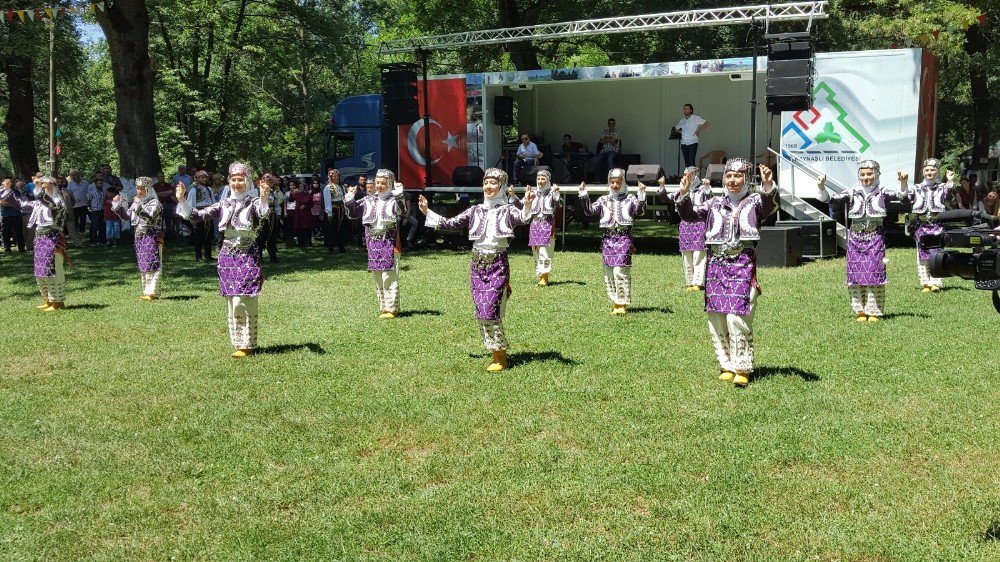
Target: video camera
point(981, 265)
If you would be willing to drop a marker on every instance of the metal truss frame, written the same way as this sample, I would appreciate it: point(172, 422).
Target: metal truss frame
point(791, 11)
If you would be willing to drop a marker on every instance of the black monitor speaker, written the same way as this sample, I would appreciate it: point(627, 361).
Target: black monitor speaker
point(503, 111)
point(779, 246)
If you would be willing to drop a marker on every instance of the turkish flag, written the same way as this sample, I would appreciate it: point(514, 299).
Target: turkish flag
point(447, 127)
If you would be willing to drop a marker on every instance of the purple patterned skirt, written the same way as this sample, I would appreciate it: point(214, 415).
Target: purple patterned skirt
point(381, 251)
point(46, 246)
point(540, 230)
point(239, 272)
point(866, 258)
point(692, 236)
point(923, 229)
point(490, 282)
point(147, 251)
point(729, 280)
point(617, 249)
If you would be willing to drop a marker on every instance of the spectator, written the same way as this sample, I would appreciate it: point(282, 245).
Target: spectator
point(78, 187)
point(29, 188)
point(690, 126)
point(110, 179)
point(181, 177)
point(333, 203)
point(165, 194)
point(11, 220)
point(964, 197)
point(570, 145)
point(300, 208)
point(112, 222)
point(267, 238)
point(608, 146)
point(526, 157)
point(203, 231)
point(357, 228)
point(95, 202)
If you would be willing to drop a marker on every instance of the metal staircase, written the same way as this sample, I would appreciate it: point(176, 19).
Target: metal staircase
point(800, 209)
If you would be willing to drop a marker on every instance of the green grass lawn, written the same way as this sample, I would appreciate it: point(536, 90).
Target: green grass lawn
point(126, 431)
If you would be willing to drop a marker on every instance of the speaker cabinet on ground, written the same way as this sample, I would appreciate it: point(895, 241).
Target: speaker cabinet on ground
point(503, 111)
point(819, 238)
point(467, 176)
point(399, 93)
point(779, 246)
point(646, 173)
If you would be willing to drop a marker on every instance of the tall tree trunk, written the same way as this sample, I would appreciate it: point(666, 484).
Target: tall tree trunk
point(19, 125)
point(126, 27)
point(977, 45)
point(523, 54)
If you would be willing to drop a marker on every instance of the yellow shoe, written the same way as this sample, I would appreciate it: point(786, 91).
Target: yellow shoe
point(862, 317)
point(387, 315)
point(145, 298)
point(499, 361)
point(43, 306)
point(935, 289)
point(697, 288)
point(925, 290)
point(543, 280)
point(873, 318)
point(241, 353)
point(53, 306)
point(726, 376)
point(740, 380)
point(619, 310)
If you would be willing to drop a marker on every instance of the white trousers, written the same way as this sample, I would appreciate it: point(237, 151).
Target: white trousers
point(387, 289)
point(618, 282)
point(867, 299)
point(694, 267)
point(543, 257)
point(924, 272)
point(732, 337)
point(53, 289)
point(243, 321)
point(151, 281)
point(494, 337)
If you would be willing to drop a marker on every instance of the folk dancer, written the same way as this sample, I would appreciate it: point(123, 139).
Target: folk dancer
point(866, 206)
point(618, 210)
point(379, 214)
point(491, 226)
point(542, 229)
point(928, 199)
point(691, 235)
point(146, 215)
point(240, 220)
point(48, 217)
point(732, 224)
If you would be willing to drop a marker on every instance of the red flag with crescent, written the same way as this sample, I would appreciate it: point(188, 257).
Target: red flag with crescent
point(447, 127)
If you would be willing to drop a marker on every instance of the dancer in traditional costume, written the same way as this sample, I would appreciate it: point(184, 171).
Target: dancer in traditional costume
point(618, 210)
point(146, 215)
point(732, 229)
point(691, 234)
point(542, 229)
point(866, 205)
point(379, 214)
point(240, 220)
point(491, 226)
point(928, 198)
point(48, 217)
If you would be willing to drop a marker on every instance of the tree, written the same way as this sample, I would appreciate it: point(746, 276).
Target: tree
point(126, 26)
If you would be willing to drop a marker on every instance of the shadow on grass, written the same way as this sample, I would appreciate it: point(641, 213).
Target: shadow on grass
point(557, 283)
point(525, 357)
point(408, 313)
point(86, 306)
point(290, 347)
point(905, 314)
point(765, 372)
point(954, 288)
point(992, 533)
point(180, 298)
point(660, 309)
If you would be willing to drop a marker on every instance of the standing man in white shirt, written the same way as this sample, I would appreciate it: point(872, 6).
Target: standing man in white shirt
point(526, 157)
point(78, 187)
point(690, 126)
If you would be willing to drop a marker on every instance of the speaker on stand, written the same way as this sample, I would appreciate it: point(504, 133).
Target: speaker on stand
point(790, 69)
point(399, 93)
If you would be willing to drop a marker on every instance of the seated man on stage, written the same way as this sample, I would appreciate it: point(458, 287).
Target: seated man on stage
point(527, 156)
point(570, 145)
point(609, 145)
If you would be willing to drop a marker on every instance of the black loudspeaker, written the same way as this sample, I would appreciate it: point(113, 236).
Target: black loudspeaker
point(779, 246)
point(399, 93)
point(819, 238)
point(646, 173)
point(790, 68)
point(503, 111)
point(467, 176)
point(528, 174)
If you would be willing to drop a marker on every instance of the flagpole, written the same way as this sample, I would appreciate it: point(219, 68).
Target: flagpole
point(51, 164)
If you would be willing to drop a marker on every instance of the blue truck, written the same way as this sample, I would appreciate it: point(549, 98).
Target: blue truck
point(355, 141)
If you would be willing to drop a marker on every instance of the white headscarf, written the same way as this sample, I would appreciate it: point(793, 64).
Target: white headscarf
point(501, 195)
point(146, 182)
point(239, 168)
